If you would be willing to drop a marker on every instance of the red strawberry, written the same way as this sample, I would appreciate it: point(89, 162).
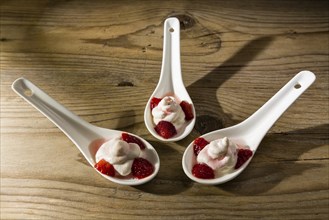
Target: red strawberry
point(199, 144)
point(132, 139)
point(187, 109)
point(165, 129)
point(243, 156)
point(141, 168)
point(154, 102)
point(203, 171)
point(105, 167)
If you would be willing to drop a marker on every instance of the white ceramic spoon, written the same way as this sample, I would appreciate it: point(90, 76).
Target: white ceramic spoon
point(171, 81)
point(251, 131)
point(85, 136)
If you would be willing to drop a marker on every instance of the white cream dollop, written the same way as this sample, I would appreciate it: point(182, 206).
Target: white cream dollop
point(220, 155)
point(120, 154)
point(169, 110)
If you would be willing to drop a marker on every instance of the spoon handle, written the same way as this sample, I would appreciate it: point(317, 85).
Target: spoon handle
point(263, 119)
point(79, 131)
point(174, 34)
point(171, 65)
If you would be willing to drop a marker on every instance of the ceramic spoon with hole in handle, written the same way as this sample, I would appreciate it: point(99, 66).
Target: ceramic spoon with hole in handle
point(251, 131)
point(85, 136)
point(170, 81)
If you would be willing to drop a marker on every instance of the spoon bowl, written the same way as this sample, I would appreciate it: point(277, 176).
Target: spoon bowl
point(170, 81)
point(251, 131)
point(87, 137)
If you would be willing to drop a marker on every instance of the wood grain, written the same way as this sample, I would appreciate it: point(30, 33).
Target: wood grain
point(98, 57)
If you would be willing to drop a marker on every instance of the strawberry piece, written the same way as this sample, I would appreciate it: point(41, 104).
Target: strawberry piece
point(132, 139)
point(187, 109)
point(165, 129)
point(203, 171)
point(105, 167)
point(199, 144)
point(243, 156)
point(141, 168)
point(154, 102)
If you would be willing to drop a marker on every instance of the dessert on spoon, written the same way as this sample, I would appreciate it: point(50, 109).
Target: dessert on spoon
point(169, 113)
point(221, 155)
point(118, 156)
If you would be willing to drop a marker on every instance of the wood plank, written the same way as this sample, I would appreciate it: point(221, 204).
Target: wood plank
point(102, 59)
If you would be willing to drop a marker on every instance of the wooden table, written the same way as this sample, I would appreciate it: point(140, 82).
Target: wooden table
point(102, 59)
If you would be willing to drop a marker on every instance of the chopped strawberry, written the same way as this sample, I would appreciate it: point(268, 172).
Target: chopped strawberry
point(203, 171)
point(199, 144)
point(243, 156)
point(187, 109)
point(154, 102)
point(132, 139)
point(141, 168)
point(165, 129)
point(105, 167)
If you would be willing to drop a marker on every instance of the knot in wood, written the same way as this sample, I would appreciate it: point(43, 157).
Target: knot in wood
point(207, 123)
point(125, 83)
point(186, 21)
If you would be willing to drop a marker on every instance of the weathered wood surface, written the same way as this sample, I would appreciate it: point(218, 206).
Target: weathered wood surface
point(102, 60)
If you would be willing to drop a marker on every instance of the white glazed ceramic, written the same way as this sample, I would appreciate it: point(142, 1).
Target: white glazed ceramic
point(170, 82)
point(80, 132)
point(251, 131)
